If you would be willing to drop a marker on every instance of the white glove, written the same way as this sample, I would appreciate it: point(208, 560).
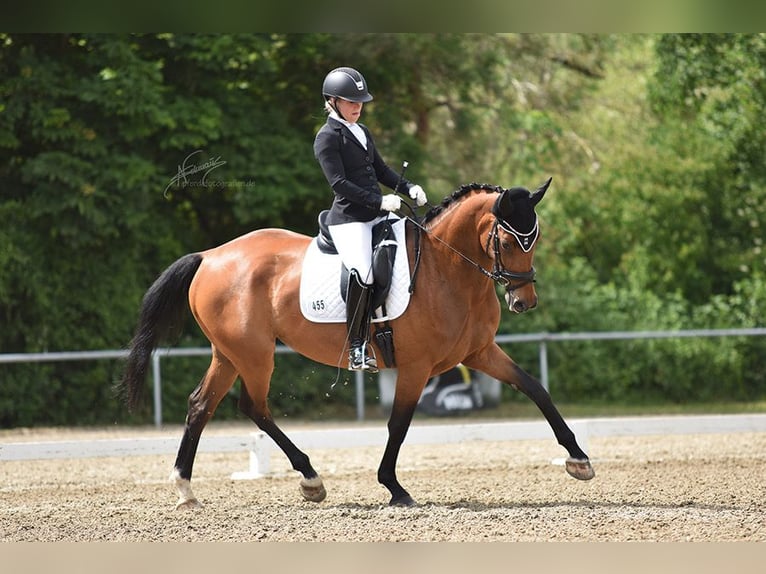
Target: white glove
point(417, 193)
point(390, 202)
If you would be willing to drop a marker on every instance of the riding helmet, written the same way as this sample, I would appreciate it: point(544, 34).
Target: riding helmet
point(347, 84)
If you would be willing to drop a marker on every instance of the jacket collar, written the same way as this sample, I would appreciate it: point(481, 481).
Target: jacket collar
point(343, 128)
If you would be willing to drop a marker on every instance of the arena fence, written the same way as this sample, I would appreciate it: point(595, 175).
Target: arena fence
point(542, 339)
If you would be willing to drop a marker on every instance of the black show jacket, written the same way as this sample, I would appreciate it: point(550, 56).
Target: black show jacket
point(353, 173)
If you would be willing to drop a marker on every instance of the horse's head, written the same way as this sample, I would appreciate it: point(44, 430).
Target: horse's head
point(512, 244)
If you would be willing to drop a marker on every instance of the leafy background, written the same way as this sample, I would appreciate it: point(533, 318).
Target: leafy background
point(654, 220)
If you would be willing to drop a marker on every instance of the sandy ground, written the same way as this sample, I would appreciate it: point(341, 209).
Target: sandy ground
point(680, 488)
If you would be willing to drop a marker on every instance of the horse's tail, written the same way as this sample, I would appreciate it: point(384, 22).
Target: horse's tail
point(161, 318)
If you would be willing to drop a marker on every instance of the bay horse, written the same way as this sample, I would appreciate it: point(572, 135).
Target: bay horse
point(244, 295)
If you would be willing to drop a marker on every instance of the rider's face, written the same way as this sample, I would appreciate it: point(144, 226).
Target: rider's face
point(349, 111)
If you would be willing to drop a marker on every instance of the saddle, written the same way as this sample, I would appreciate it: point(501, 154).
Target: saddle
point(384, 247)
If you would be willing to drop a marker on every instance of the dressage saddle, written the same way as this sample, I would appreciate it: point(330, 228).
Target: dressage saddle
point(384, 247)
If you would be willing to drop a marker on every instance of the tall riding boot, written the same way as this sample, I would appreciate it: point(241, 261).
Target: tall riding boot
point(358, 299)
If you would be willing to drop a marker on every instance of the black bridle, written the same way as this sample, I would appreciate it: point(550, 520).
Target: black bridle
point(508, 280)
point(499, 273)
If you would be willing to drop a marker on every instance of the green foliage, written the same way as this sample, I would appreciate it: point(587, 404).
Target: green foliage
point(654, 220)
point(710, 90)
point(92, 131)
point(674, 370)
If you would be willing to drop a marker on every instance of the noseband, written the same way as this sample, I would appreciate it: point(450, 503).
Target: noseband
point(511, 280)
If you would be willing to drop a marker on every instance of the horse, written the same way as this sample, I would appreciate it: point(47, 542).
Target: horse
point(244, 294)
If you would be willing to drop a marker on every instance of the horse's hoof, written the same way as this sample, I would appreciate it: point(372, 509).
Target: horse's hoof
point(580, 468)
point(188, 504)
point(404, 501)
point(313, 489)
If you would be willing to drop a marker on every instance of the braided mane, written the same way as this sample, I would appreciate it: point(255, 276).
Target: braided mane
point(456, 196)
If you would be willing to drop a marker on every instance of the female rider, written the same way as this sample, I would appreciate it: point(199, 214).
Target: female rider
point(353, 167)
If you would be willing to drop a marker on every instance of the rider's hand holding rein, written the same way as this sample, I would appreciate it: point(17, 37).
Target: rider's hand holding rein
point(391, 202)
point(417, 193)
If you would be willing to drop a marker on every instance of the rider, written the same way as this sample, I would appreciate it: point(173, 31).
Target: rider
point(353, 167)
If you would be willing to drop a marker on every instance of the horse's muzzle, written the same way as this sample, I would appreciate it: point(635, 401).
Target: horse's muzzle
point(519, 304)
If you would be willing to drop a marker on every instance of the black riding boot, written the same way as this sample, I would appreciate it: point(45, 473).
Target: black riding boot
point(358, 299)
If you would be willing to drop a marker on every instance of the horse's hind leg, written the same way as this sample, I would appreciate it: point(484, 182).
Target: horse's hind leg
point(203, 401)
point(253, 402)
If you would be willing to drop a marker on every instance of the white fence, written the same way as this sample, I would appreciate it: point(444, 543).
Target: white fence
point(542, 339)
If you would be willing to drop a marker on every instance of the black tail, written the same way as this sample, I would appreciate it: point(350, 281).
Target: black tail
point(161, 318)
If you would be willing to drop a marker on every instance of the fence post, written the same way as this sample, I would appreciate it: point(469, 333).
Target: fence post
point(157, 381)
point(544, 364)
point(359, 396)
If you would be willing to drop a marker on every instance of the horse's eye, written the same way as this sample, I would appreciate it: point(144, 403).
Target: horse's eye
point(506, 245)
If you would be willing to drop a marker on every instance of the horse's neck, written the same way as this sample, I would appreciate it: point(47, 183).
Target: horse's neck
point(463, 227)
point(459, 233)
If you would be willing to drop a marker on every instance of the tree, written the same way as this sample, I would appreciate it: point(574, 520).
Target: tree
point(92, 131)
point(710, 90)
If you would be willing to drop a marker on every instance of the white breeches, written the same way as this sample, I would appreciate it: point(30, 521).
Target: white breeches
point(354, 244)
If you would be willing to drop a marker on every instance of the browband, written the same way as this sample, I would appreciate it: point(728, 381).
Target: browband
point(526, 240)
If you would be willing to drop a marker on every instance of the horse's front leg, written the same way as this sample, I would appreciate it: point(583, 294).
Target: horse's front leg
point(494, 362)
point(408, 389)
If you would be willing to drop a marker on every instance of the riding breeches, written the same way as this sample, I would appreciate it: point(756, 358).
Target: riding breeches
point(354, 244)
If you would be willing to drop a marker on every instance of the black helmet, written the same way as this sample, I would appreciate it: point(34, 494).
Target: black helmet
point(346, 83)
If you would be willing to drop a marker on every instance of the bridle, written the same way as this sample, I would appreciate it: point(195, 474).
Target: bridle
point(499, 273)
point(508, 280)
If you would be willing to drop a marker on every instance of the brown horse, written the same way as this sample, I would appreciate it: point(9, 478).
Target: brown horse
point(244, 296)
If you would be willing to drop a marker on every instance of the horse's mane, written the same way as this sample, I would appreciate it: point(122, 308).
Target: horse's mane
point(456, 196)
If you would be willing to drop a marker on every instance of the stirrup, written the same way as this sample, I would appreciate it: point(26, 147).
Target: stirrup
point(358, 360)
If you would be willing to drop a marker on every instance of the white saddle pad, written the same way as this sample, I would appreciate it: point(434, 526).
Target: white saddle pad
point(320, 284)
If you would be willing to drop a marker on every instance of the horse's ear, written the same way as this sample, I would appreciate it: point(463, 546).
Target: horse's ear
point(503, 206)
point(538, 195)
